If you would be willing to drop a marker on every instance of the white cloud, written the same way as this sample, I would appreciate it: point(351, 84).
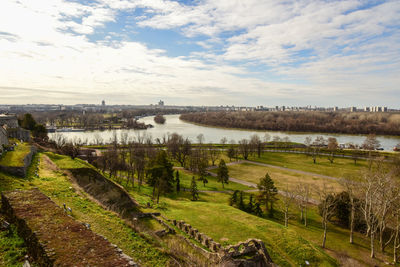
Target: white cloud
point(44, 45)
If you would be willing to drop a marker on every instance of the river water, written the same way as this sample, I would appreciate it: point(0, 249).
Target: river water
point(214, 135)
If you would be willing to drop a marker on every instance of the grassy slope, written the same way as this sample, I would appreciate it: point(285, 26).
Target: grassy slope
point(16, 158)
point(212, 185)
point(342, 167)
point(252, 173)
point(211, 215)
point(57, 186)
point(12, 248)
point(227, 225)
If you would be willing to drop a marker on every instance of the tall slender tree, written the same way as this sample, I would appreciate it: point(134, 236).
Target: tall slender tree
point(193, 190)
point(222, 173)
point(267, 193)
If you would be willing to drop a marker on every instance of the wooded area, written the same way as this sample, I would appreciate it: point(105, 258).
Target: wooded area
point(313, 121)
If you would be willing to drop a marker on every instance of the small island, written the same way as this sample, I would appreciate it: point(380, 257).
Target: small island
point(159, 118)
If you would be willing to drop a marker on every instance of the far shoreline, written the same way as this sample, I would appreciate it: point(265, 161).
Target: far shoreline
point(286, 132)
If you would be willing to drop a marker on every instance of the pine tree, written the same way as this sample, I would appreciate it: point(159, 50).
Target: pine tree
point(161, 174)
point(193, 190)
point(178, 181)
point(250, 206)
point(267, 193)
point(202, 168)
point(222, 173)
point(234, 198)
point(257, 210)
point(241, 202)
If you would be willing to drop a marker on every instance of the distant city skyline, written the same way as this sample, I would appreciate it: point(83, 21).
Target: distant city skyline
point(242, 53)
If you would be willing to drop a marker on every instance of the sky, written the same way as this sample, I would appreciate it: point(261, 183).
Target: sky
point(202, 52)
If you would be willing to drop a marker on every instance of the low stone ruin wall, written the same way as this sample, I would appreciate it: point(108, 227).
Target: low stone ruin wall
point(203, 239)
point(54, 238)
point(20, 171)
point(251, 253)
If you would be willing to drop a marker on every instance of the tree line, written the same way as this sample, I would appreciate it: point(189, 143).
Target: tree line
point(312, 121)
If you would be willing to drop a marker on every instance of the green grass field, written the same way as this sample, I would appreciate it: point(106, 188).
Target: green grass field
point(16, 158)
point(212, 185)
point(282, 178)
point(229, 225)
point(12, 248)
point(341, 167)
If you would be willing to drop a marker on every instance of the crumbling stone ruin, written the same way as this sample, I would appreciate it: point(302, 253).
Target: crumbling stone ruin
point(46, 229)
point(20, 171)
point(251, 253)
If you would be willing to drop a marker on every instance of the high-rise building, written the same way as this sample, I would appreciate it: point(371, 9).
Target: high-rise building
point(103, 103)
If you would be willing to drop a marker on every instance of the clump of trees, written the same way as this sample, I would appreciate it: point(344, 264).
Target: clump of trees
point(159, 118)
point(314, 121)
point(371, 206)
point(39, 131)
point(252, 205)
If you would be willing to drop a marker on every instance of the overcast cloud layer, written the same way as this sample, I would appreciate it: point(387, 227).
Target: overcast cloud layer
point(205, 52)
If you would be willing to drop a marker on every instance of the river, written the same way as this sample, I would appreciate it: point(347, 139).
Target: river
point(214, 135)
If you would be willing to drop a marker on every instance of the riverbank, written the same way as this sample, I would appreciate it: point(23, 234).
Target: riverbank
point(212, 134)
point(312, 121)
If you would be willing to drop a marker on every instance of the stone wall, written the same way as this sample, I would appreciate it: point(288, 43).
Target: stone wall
point(203, 239)
point(19, 133)
point(20, 171)
point(9, 119)
point(3, 138)
point(252, 251)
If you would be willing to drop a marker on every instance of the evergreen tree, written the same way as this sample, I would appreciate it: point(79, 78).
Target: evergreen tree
point(234, 198)
point(241, 202)
point(160, 174)
point(28, 122)
point(267, 193)
point(257, 209)
point(250, 206)
point(222, 173)
point(193, 190)
point(178, 182)
point(202, 168)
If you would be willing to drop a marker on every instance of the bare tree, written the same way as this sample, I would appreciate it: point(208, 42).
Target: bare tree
point(287, 199)
point(267, 137)
point(375, 205)
point(396, 239)
point(244, 148)
point(308, 141)
point(200, 138)
point(332, 147)
point(224, 140)
point(302, 196)
point(371, 143)
point(327, 207)
point(256, 144)
point(213, 153)
point(351, 188)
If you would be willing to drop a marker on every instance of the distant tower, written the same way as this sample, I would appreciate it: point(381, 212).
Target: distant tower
point(161, 103)
point(103, 103)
